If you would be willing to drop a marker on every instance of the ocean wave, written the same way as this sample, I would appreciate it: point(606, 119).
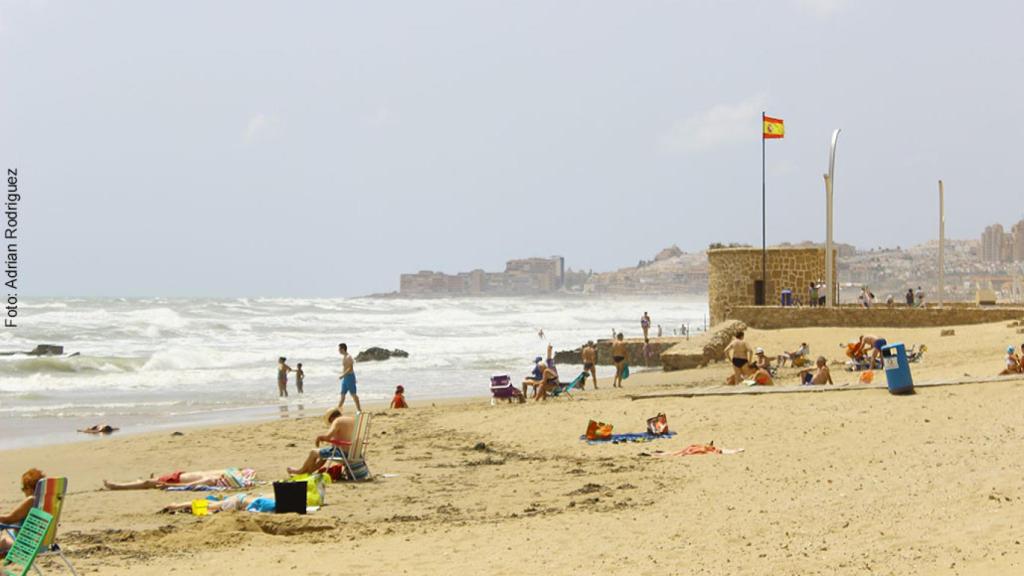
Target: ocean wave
point(21, 364)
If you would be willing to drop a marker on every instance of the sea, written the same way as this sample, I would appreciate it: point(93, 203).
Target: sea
point(152, 364)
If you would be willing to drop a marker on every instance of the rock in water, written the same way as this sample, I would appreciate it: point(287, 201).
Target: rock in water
point(376, 353)
point(47, 350)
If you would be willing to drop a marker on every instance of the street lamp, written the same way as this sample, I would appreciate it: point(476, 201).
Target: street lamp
point(829, 181)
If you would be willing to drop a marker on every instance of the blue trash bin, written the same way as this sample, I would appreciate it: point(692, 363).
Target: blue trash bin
point(897, 369)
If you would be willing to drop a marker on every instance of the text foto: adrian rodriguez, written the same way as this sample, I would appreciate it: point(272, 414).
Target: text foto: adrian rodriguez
point(11, 237)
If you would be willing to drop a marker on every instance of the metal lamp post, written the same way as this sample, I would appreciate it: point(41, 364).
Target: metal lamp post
point(831, 288)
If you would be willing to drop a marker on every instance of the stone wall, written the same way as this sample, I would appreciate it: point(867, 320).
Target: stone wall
point(733, 271)
point(773, 317)
point(701, 350)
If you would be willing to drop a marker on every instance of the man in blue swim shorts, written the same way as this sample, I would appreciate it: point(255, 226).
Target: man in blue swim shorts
point(348, 378)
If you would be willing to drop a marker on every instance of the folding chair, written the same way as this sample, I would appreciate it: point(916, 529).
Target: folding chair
point(28, 543)
point(50, 493)
point(352, 454)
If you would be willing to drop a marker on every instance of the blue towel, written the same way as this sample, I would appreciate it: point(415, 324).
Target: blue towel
point(631, 437)
point(194, 488)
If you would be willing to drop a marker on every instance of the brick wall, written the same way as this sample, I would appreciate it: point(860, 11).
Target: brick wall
point(732, 272)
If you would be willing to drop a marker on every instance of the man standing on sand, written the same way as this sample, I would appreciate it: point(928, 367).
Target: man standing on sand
point(645, 324)
point(740, 354)
point(348, 378)
point(589, 357)
point(619, 354)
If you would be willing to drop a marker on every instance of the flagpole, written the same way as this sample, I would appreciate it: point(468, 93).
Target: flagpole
point(764, 244)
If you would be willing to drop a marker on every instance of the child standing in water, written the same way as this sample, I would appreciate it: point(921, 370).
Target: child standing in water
point(299, 377)
point(282, 377)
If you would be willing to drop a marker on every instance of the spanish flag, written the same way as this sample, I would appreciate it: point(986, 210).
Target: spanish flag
point(773, 127)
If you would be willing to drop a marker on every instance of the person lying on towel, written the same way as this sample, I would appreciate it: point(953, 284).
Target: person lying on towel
point(223, 477)
point(246, 502)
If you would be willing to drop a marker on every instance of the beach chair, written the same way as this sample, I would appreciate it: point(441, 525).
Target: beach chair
point(352, 454)
point(28, 544)
point(568, 388)
point(49, 496)
point(502, 389)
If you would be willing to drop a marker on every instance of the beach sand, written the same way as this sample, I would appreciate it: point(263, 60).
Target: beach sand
point(858, 482)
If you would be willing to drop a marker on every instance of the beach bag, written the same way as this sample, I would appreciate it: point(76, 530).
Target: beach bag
point(290, 497)
point(598, 430)
point(657, 425)
point(315, 490)
point(867, 377)
point(625, 371)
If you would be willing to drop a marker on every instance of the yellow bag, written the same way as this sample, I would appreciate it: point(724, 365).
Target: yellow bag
point(315, 492)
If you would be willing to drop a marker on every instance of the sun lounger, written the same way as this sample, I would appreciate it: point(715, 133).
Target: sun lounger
point(49, 497)
point(503, 389)
point(28, 544)
point(568, 388)
point(352, 454)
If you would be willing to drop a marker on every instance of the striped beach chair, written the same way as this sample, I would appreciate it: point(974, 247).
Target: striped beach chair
point(50, 493)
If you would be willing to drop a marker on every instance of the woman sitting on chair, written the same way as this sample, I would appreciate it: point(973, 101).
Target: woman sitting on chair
point(28, 488)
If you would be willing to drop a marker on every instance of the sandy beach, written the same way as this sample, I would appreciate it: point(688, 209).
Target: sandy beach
point(859, 482)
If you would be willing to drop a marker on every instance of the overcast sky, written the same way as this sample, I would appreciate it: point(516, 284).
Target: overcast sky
point(245, 148)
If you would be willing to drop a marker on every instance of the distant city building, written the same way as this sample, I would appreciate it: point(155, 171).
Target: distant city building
point(521, 277)
point(992, 240)
point(997, 245)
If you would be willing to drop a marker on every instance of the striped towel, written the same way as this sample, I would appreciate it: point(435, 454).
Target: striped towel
point(233, 478)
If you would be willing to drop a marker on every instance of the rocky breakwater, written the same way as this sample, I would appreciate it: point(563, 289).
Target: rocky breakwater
point(702, 350)
point(377, 354)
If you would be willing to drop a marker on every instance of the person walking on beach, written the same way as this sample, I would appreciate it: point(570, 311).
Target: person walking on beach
point(659, 330)
point(348, 378)
point(813, 295)
point(619, 353)
point(299, 377)
point(645, 324)
point(589, 357)
point(910, 297)
point(919, 297)
point(739, 353)
point(282, 377)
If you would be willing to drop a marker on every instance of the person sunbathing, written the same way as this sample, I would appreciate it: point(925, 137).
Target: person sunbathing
point(99, 429)
point(752, 375)
point(818, 375)
point(246, 502)
point(796, 357)
point(19, 512)
point(340, 431)
point(1013, 365)
point(227, 477)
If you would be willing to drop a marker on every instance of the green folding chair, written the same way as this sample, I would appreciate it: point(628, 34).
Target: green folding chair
point(50, 493)
point(26, 546)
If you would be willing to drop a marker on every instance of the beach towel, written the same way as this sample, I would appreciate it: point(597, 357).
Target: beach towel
point(629, 437)
point(695, 449)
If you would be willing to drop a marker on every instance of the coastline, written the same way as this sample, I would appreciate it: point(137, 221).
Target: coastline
point(848, 484)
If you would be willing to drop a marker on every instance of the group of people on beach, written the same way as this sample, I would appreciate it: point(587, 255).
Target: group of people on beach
point(751, 365)
point(282, 377)
point(346, 380)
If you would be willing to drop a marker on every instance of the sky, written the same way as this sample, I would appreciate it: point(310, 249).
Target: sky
point(323, 148)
